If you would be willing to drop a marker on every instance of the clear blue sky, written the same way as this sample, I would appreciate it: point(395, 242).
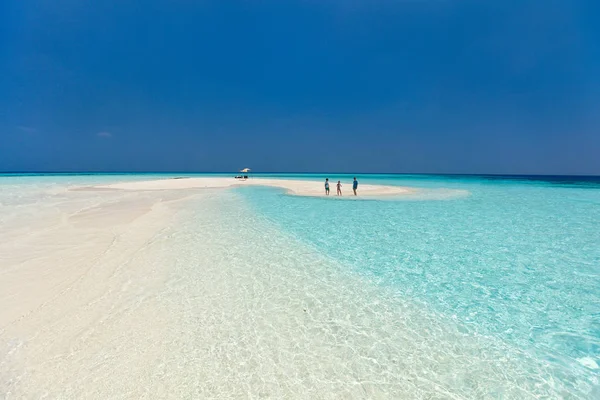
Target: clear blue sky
point(443, 86)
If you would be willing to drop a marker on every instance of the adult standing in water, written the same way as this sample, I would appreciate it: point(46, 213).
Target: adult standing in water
point(355, 185)
point(326, 186)
point(339, 188)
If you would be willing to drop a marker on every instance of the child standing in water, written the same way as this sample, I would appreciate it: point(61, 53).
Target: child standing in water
point(326, 186)
point(355, 185)
point(339, 188)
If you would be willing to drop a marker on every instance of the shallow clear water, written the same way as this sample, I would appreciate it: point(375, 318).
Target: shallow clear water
point(517, 260)
point(493, 294)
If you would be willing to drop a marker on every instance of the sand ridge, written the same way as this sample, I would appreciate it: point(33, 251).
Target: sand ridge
point(293, 187)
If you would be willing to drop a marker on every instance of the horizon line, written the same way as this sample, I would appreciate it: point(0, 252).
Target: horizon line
point(297, 173)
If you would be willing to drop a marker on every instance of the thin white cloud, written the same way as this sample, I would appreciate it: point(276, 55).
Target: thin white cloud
point(104, 134)
point(27, 129)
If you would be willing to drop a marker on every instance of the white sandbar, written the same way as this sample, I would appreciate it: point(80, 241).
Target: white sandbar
point(294, 187)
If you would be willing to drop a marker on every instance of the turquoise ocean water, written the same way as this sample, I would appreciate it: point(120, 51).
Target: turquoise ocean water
point(516, 259)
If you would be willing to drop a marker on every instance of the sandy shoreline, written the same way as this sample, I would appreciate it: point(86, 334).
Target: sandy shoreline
point(293, 187)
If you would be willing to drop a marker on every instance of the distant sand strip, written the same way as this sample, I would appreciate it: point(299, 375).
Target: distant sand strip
point(294, 187)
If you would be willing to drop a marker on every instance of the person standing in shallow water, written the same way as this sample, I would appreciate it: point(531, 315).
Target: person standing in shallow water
point(339, 188)
point(355, 185)
point(326, 186)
